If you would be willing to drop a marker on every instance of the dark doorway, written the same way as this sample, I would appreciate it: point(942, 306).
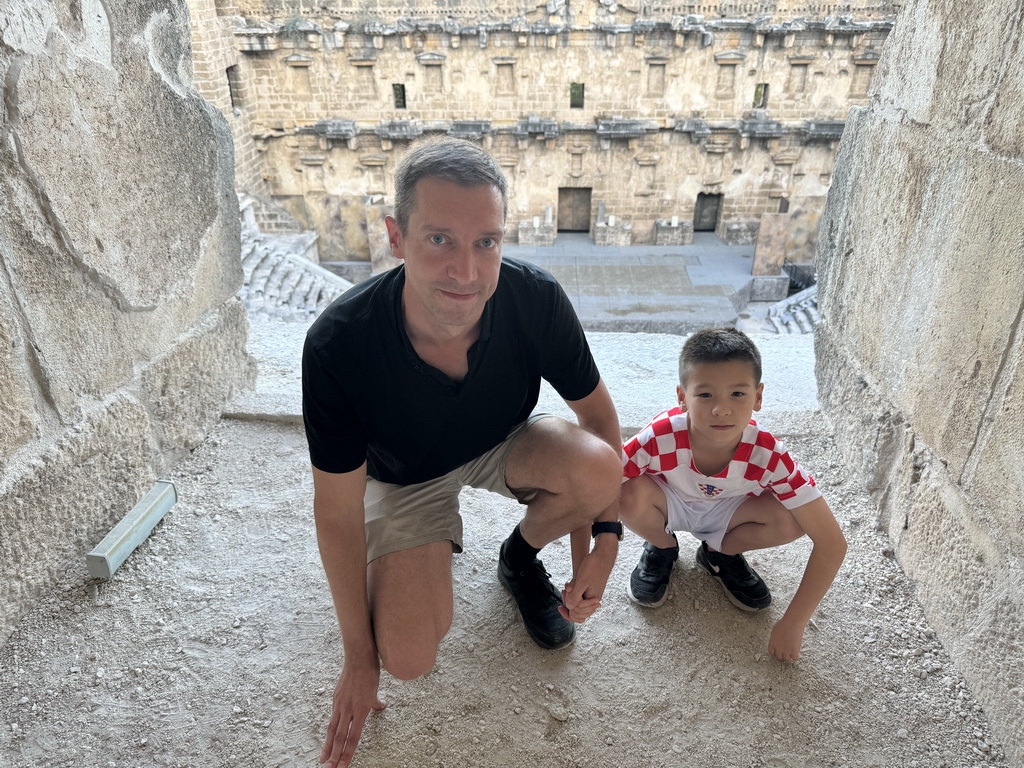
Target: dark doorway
point(573, 209)
point(705, 216)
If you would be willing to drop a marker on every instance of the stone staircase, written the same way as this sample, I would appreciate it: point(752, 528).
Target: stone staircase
point(795, 314)
point(280, 281)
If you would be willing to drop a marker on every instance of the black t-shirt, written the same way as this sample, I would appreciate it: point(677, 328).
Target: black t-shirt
point(366, 394)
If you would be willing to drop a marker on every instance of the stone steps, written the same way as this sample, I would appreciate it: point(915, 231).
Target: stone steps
point(279, 282)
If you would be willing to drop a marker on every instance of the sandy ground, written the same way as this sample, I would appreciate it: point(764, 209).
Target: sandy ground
point(216, 645)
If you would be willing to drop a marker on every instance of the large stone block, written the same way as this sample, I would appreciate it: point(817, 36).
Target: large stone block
point(922, 289)
point(120, 337)
point(959, 275)
point(116, 183)
point(186, 389)
point(55, 508)
point(962, 553)
point(17, 409)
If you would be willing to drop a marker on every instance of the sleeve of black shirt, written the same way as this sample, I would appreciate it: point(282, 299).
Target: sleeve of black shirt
point(334, 431)
point(569, 365)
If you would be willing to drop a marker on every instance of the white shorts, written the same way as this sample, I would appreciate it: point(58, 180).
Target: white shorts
point(704, 520)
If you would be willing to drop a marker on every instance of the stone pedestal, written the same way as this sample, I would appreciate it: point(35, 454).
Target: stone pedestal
point(667, 233)
point(617, 233)
point(534, 232)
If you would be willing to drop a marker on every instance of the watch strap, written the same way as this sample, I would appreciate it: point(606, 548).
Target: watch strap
point(607, 527)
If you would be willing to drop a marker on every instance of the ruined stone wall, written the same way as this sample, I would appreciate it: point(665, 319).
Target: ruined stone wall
point(671, 108)
point(921, 354)
point(221, 81)
point(584, 13)
point(120, 334)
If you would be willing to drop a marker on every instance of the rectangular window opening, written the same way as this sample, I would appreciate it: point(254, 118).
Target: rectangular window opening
point(761, 96)
point(861, 80)
point(235, 88)
point(506, 80)
point(398, 89)
point(576, 95)
point(724, 88)
point(797, 82)
point(656, 80)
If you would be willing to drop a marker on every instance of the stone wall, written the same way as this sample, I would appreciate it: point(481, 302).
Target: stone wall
point(220, 79)
point(642, 108)
point(120, 334)
point(921, 353)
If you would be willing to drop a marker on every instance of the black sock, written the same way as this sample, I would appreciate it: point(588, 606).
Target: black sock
point(518, 552)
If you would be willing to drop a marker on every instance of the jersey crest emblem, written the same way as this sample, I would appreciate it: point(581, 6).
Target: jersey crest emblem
point(709, 490)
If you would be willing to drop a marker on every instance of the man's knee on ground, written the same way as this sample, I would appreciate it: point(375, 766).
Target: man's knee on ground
point(409, 657)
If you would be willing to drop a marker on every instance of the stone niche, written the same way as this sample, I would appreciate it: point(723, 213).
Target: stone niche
point(121, 338)
point(921, 352)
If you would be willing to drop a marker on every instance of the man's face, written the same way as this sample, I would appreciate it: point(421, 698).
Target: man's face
point(452, 253)
point(719, 399)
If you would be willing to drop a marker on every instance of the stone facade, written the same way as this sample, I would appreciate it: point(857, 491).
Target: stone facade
point(713, 113)
point(120, 334)
point(921, 353)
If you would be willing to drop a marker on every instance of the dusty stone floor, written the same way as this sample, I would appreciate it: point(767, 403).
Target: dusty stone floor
point(216, 645)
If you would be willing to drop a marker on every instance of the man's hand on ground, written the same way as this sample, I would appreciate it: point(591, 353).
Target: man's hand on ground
point(354, 696)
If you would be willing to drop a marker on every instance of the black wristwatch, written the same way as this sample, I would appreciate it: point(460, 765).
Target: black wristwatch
point(615, 528)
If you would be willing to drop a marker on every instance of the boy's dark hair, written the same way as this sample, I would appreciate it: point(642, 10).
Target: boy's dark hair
point(455, 160)
point(718, 345)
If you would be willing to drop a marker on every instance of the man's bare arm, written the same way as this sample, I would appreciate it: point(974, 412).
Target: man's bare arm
point(340, 529)
point(596, 414)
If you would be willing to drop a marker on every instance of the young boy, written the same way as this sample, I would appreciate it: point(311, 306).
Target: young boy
point(706, 467)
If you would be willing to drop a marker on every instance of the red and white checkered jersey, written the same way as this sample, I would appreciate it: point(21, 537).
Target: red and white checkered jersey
point(761, 463)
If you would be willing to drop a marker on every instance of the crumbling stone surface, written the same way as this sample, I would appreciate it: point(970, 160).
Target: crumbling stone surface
point(61, 503)
point(118, 271)
point(922, 289)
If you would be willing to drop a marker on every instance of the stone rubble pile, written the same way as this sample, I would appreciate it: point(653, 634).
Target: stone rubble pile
point(280, 283)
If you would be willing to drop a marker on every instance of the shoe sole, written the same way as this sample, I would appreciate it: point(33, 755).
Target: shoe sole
point(732, 598)
point(643, 603)
point(545, 645)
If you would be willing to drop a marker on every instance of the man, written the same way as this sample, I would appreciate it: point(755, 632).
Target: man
point(422, 380)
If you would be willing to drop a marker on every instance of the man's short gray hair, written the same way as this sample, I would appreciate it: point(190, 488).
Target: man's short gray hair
point(456, 160)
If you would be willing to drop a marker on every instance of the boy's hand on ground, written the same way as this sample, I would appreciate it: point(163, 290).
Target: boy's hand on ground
point(785, 641)
point(354, 696)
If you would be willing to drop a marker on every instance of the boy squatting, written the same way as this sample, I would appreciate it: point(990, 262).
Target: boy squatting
point(707, 468)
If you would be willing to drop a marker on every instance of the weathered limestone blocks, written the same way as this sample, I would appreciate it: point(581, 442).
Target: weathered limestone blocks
point(120, 334)
point(536, 232)
point(673, 232)
point(56, 506)
point(921, 283)
point(613, 231)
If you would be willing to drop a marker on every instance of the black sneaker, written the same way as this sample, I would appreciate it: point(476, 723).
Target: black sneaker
point(648, 584)
point(538, 602)
point(744, 588)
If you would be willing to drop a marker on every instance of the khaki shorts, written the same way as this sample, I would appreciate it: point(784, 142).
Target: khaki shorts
point(405, 516)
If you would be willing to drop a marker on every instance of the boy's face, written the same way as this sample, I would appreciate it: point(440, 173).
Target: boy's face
point(719, 398)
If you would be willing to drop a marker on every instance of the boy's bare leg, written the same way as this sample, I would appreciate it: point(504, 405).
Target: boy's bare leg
point(410, 594)
point(760, 523)
point(644, 510)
